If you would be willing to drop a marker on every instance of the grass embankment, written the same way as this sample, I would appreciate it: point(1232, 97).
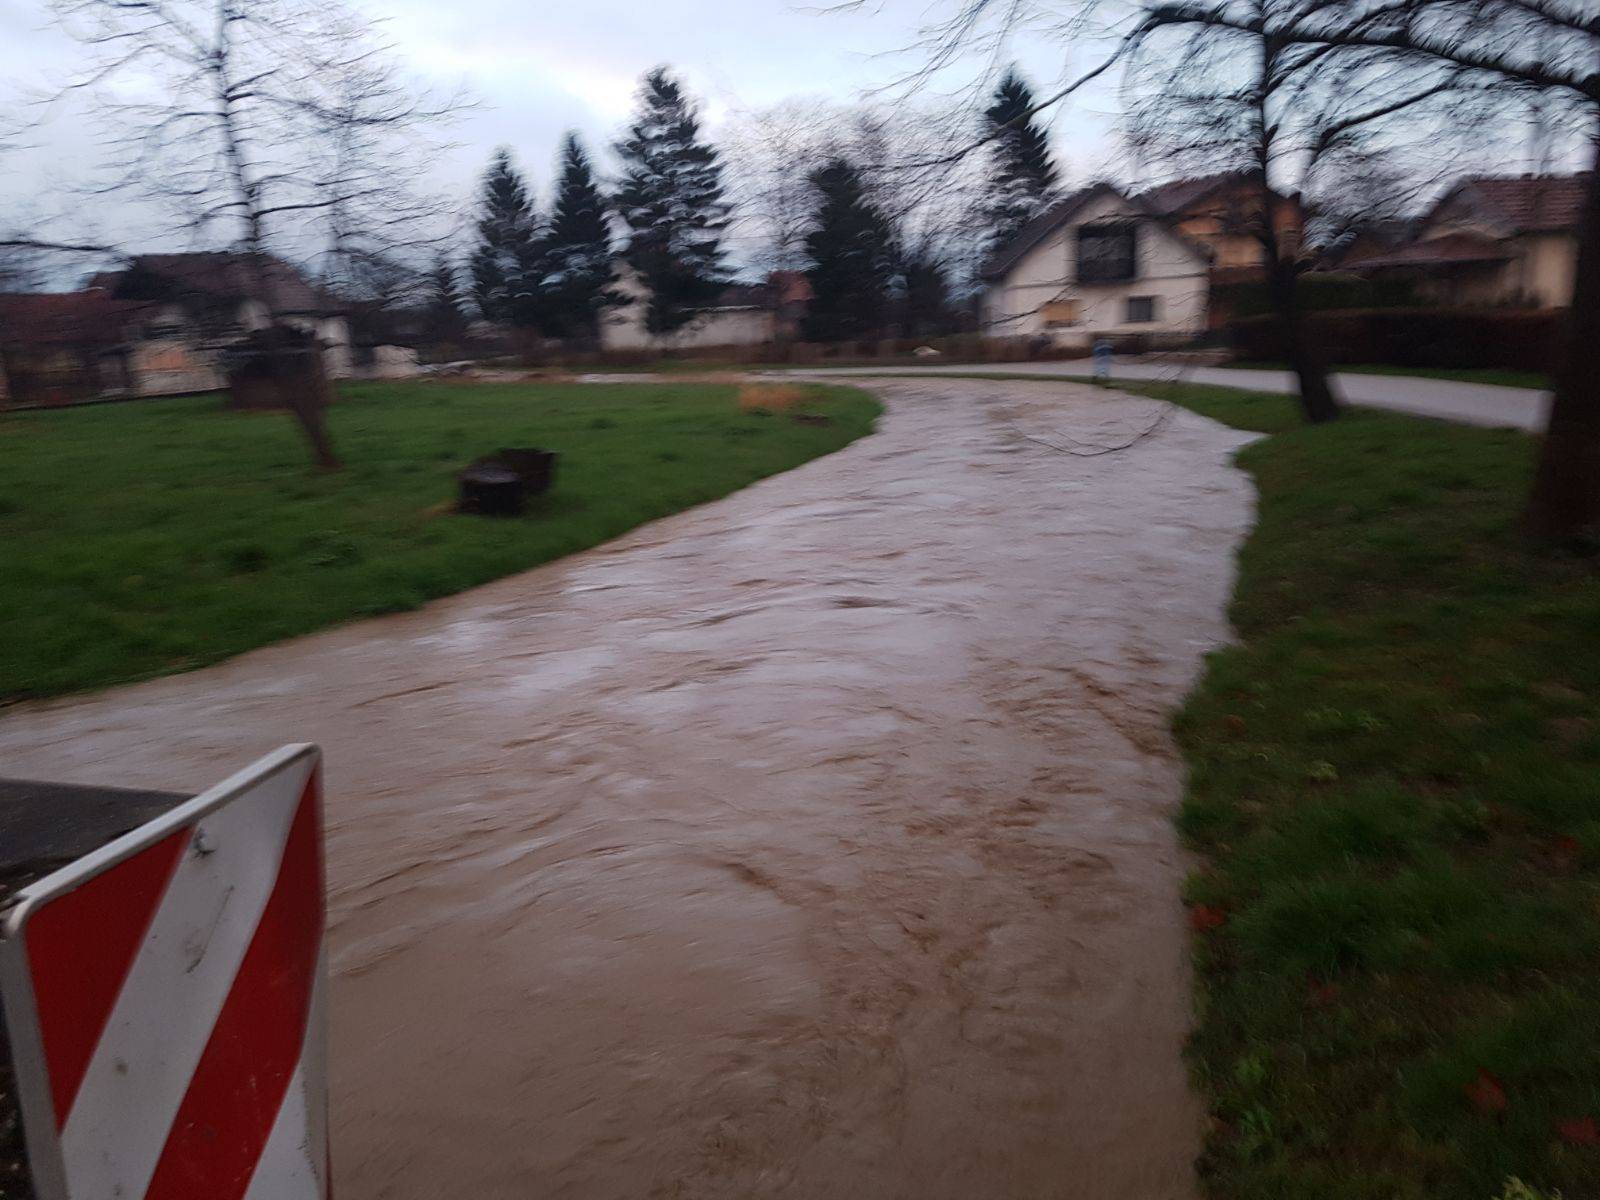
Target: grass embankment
point(152, 537)
point(1395, 791)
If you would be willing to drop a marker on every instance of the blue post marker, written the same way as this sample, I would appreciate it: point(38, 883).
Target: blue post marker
point(1102, 361)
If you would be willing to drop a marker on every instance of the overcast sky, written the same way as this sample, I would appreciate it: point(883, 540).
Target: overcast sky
point(539, 69)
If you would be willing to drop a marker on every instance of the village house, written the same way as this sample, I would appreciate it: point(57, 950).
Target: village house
point(745, 314)
point(162, 326)
point(1104, 263)
point(1490, 241)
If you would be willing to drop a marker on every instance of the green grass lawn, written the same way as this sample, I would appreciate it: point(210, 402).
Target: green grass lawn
point(157, 536)
point(1395, 794)
point(1494, 375)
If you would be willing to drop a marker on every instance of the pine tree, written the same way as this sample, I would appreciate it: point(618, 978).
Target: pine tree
point(505, 264)
point(671, 199)
point(852, 254)
point(928, 310)
point(1022, 177)
point(446, 321)
point(578, 282)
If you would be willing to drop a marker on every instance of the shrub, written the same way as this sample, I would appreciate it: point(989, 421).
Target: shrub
point(1512, 339)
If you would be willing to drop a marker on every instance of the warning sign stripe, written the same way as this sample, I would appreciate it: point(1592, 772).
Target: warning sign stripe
point(242, 1077)
point(75, 991)
point(175, 996)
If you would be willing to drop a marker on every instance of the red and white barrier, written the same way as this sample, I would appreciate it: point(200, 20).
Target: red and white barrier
point(165, 999)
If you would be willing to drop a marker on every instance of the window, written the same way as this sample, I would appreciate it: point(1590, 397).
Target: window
point(1107, 253)
point(1059, 314)
point(1141, 310)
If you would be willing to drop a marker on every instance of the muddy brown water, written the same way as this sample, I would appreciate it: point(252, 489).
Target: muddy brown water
point(813, 843)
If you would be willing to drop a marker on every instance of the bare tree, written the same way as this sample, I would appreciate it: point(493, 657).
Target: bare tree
point(368, 152)
point(1544, 48)
point(1208, 92)
point(770, 154)
point(1544, 51)
point(899, 150)
point(258, 117)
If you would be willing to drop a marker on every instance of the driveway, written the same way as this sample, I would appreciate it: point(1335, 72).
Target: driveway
point(813, 843)
point(1468, 403)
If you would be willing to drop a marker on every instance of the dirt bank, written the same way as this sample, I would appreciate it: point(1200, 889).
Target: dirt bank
point(813, 843)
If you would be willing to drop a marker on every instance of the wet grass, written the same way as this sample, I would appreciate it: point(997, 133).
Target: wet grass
point(1395, 796)
point(152, 537)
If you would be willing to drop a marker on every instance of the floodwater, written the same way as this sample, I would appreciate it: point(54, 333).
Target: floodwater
point(813, 843)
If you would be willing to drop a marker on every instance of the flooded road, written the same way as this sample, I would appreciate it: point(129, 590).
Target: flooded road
point(813, 843)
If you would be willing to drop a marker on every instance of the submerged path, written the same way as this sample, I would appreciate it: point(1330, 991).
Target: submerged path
point(813, 843)
point(1486, 404)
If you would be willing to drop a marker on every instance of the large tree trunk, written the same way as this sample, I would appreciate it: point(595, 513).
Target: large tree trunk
point(307, 392)
point(1565, 501)
point(1317, 400)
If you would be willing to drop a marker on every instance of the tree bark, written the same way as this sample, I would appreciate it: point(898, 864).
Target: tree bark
point(1317, 400)
point(1565, 500)
point(306, 391)
point(307, 408)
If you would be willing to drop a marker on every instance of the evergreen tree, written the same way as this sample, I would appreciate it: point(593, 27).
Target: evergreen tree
point(928, 311)
point(578, 275)
point(505, 263)
point(446, 320)
point(852, 256)
point(671, 199)
point(1022, 176)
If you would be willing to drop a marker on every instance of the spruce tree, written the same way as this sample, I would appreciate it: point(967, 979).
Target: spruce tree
point(852, 256)
point(506, 261)
point(446, 322)
point(1022, 176)
point(671, 199)
point(578, 273)
point(928, 310)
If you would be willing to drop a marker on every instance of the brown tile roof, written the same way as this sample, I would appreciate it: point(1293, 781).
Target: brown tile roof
point(225, 275)
point(1451, 249)
point(92, 318)
point(1527, 203)
point(1170, 199)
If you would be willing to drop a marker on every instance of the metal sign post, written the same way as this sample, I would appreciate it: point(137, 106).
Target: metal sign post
point(165, 1001)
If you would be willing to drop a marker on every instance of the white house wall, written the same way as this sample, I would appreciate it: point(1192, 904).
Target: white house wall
point(1169, 269)
point(625, 330)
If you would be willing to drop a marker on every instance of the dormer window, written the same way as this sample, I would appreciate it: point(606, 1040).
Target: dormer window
point(1108, 253)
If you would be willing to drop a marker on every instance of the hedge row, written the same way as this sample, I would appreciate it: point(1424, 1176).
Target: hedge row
point(1518, 339)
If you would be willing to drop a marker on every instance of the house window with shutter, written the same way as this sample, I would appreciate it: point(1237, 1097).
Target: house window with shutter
point(1060, 314)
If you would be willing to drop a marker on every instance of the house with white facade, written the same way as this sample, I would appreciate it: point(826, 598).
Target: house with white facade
point(743, 314)
point(1100, 263)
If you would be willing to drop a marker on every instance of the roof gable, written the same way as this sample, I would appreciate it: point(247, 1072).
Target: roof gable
point(1053, 218)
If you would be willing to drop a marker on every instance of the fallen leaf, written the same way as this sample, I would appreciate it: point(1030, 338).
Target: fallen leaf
point(1486, 1095)
point(1203, 918)
point(1565, 854)
point(1579, 1131)
point(1234, 723)
point(1321, 995)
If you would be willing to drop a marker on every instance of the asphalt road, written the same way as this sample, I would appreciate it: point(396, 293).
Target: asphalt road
point(1468, 403)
